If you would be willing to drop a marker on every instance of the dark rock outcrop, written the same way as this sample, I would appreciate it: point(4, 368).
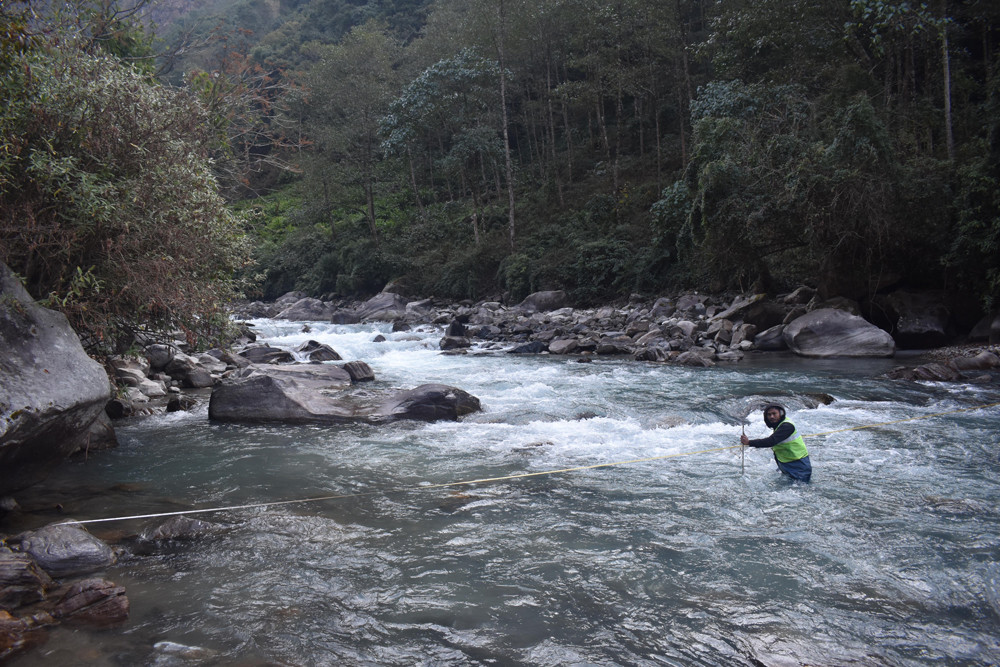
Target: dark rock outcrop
point(428, 402)
point(359, 371)
point(918, 320)
point(21, 580)
point(316, 351)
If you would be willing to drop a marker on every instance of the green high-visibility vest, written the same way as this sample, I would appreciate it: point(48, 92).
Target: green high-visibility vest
point(791, 448)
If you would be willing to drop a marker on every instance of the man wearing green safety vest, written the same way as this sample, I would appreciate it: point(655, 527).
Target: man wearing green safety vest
point(789, 450)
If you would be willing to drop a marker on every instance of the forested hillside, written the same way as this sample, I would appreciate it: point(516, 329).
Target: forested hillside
point(474, 148)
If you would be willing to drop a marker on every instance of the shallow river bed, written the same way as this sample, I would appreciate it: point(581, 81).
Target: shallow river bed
point(890, 556)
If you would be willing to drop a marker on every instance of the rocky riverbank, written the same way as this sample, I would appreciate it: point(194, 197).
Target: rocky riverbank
point(713, 328)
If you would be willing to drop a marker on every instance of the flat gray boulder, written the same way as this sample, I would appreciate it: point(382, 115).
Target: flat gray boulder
point(297, 393)
point(320, 394)
point(50, 393)
point(829, 332)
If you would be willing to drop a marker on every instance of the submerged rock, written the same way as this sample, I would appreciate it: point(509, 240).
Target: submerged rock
point(17, 635)
point(178, 528)
point(932, 372)
point(94, 602)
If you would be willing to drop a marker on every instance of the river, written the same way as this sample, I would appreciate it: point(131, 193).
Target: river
point(890, 556)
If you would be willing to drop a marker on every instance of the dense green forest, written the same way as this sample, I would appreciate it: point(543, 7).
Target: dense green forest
point(489, 148)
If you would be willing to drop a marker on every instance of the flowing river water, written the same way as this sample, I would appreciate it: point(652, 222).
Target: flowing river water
point(890, 556)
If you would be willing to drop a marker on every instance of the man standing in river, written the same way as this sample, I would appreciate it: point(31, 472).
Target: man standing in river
point(790, 451)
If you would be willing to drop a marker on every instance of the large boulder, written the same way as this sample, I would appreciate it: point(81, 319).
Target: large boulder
point(454, 343)
point(65, 549)
point(289, 298)
point(829, 332)
point(158, 355)
point(384, 307)
point(984, 361)
point(51, 391)
point(344, 316)
point(739, 306)
point(359, 371)
point(317, 394)
point(544, 301)
point(987, 329)
point(301, 393)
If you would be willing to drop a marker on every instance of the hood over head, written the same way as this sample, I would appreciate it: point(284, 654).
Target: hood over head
point(772, 423)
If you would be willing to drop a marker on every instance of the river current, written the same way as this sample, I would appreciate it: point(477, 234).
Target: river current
point(890, 556)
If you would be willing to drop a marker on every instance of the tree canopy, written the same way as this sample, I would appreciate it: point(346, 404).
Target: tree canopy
point(487, 149)
point(109, 206)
